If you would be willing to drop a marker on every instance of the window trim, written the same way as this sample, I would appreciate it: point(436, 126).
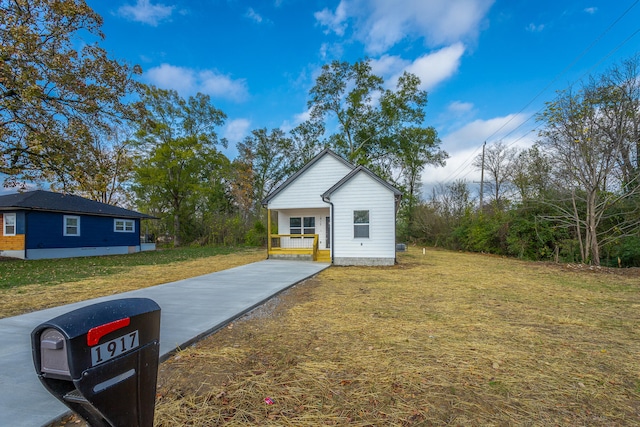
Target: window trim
point(303, 227)
point(4, 224)
point(124, 228)
point(362, 225)
point(65, 226)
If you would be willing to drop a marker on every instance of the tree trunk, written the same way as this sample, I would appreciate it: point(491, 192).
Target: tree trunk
point(583, 254)
point(176, 230)
point(593, 247)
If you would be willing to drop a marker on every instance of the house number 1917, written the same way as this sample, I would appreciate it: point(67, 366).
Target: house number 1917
point(114, 348)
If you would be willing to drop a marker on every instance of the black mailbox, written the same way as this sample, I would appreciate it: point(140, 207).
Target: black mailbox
point(102, 360)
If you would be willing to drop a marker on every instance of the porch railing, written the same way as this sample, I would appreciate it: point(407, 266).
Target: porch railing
point(294, 244)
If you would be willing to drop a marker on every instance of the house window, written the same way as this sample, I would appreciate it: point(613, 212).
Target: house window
point(309, 223)
point(302, 225)
point(295, 225)
point(124, 226)
point(71, 225)
point(361, 224)
point(9, 221)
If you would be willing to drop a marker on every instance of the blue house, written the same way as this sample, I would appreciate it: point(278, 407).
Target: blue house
point(42, 224)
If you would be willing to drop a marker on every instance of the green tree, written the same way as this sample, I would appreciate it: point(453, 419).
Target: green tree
point(414, 150)
point(306, 139)
point(375, 127)
point(53, 95)
point(177, 141)
point(345, 92)
point(267, 156)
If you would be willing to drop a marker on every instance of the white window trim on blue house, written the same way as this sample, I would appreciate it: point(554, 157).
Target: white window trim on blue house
point(124, 225)
point(9, 223)
point(69, 227)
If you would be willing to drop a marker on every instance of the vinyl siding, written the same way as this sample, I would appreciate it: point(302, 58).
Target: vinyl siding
point(364, 193)
point(306, 190)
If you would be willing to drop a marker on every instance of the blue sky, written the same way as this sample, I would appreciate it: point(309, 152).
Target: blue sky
point(488, 65)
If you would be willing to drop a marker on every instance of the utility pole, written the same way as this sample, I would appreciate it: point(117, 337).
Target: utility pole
point(482, 175)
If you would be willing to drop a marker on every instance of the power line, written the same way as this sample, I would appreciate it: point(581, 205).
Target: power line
point(568, 67)
point(464, 164)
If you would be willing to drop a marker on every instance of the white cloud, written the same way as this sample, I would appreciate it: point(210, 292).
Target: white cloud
point(380, 24)
point(432, 68)
point(464, 144)
point(236, 130)
point(145, 12)
point(335, 22)
point(388, 65)
point(255, 16)
point(591, 10)
point(533, 28)
point(187, 81)
point(170, 77)
point(287, 125)
point(302, 117)
point(220, 85)
point(459, 107)
point(334, 50)
point(438, 66)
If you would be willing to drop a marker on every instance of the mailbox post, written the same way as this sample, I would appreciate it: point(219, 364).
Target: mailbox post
point(102, 361)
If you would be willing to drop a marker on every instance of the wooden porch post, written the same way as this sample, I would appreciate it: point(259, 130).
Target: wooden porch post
point(268, 232)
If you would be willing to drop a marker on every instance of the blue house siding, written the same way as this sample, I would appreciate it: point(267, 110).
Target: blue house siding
point(45, 230)
point(20, 223)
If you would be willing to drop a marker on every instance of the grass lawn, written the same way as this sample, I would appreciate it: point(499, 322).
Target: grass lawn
point(37, 284)
point(441, 339)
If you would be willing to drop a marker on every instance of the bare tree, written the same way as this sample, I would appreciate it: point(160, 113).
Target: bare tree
point(620, 88)
point(532, 173)
point(103, 170)
point(586, 135)
point(498, 164)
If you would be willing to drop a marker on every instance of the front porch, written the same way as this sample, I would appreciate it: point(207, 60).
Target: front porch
point(300, 239)
point(297, 246)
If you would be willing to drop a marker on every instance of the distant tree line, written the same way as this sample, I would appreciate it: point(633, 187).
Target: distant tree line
point(81, 121)
point(574, 196)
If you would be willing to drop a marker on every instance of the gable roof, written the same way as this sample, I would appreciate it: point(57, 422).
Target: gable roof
point(47, 201)
point(327, 194)
point(281, 187)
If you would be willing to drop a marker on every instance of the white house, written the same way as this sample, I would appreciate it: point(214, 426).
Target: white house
point(333, 211)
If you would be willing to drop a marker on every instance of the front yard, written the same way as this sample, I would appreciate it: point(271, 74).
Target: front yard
point(445, 338)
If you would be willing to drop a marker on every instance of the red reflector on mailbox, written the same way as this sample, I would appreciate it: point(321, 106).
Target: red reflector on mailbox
point(94, 334)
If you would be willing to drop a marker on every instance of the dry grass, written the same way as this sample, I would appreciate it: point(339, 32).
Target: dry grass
point(14, 301)
point(444, 339)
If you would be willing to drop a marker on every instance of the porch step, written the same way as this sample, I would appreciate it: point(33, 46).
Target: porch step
point(324, 256)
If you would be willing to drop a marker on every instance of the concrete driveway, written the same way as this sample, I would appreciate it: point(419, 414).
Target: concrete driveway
point(191, 309)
